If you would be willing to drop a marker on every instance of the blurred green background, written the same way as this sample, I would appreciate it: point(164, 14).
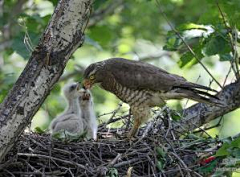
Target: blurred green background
point(133, 29)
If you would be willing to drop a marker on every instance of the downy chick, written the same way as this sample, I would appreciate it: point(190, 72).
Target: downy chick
point(88, 115)
point(70, 120)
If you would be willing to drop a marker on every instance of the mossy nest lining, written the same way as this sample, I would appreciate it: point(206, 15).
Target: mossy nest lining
point(155, 152)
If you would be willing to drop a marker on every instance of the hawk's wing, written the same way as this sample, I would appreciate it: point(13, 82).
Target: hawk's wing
point(140, 75)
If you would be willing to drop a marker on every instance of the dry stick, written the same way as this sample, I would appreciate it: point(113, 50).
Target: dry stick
point(180, 169)
point(115, 112)
point(189, 48)
point(114, 161)
point(54, 158)
point(126, 162)
point(233, 44)
point(188, 170)
point(208, 128)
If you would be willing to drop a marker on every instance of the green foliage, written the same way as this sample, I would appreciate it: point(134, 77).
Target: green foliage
point(39, 130)
point(112, 172)
point(209, 168)
point(121, 34)
point(161, 158)
point(206, 41)
point(66, 136)
point(6, 82)
point(230, 148)
point(133, 29)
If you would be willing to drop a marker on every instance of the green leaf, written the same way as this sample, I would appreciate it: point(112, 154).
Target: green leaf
point(101, 34)
point(229, 148)
point(226, 57)
point(21, 48)
point(160, 152)
point(216, 44)
point(208, 168)
point(159, 165)
point(221, 173)
point(173, 42)
point(223, 150)
point(54, 2)
point(112, 172)
point(189, 26)
point(39, 130)
point(90, 41)
point(66, 136)
point(188, 59)
point(231, 11)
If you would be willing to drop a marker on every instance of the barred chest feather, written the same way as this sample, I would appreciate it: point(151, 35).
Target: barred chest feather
point(135, 97)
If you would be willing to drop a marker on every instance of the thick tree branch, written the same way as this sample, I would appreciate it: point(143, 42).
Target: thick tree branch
point(200, 114)
point(62, 37)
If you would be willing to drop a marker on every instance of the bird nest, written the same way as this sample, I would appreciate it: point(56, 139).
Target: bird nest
point(155, 152)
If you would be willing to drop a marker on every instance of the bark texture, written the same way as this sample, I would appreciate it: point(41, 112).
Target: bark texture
point(200, 114)
point(61, 38)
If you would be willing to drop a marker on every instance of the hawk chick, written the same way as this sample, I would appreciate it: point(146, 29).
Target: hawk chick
point(70, 120)
point(88, 115)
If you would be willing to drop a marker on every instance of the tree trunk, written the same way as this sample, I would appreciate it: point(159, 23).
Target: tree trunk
point(61, 38)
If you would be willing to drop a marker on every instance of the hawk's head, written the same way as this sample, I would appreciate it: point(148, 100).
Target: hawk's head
point(94, 73)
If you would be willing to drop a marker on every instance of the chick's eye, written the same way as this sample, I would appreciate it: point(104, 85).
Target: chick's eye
point(72, 87)
point(91, 77)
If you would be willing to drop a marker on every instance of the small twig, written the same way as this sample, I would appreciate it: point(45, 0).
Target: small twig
point(232, 42)
point(146, 130)
point(115, 112)
point(120, 164)
point(226, 77)
point(183, 164)
point(114, 161)
point(211, 127)
point(129, 172)
point(54, 158)
point(189, 48)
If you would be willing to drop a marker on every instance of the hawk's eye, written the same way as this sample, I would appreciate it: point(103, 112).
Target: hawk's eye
point(91, 77)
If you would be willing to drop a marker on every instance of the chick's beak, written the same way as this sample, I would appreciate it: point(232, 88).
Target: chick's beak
point(86, 96)
point(78, 86)
point(87, 84)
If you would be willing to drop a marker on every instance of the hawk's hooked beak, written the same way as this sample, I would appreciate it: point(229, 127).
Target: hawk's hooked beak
point(87, 83)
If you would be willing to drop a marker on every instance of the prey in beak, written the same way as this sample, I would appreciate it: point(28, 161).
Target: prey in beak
point(87, 84)
point(85, 95)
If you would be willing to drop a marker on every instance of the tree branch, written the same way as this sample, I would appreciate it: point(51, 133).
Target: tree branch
point(61, 38)
point(200, 114)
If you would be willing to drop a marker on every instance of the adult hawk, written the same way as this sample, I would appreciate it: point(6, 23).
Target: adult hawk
point(143, 86)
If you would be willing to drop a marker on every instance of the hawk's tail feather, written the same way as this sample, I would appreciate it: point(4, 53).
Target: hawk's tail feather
point(199, 96)
point(196, 86)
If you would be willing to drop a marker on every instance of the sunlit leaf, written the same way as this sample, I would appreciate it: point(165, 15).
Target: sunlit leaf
point(39, 130)
point(188, 59)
